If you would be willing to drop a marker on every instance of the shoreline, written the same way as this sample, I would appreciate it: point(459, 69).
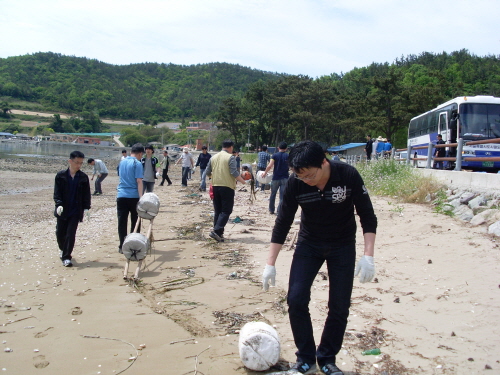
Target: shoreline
point(197, 290)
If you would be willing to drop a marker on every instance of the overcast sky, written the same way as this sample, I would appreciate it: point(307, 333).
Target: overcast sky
point(310, 37)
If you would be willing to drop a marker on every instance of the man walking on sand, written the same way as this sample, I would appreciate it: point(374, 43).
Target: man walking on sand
point(129, 191)
point(187, 164)
point(263, 159)
point(327, 192)
point(150, 165)
point(202, 161)
point(72, 200)
point(222, 169)
point(164, 164)
point(101, 171)
point(279, 162)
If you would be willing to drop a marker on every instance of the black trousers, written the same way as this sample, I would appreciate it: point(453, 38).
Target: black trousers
point(307, 261)
point(65, 234)
point(164, 177)
point(124, 207)
point(223, 207)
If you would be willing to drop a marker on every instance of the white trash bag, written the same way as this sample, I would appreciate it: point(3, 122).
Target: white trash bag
point(135, 246)
point(264, 180)
point(148, 206)
point(259, 346)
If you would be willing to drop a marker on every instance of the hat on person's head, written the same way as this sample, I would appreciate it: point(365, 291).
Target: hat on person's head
point(380, 138)
point(185, 149)
point(385, 139)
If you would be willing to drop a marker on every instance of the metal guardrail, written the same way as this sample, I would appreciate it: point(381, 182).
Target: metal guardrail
point(459, 146)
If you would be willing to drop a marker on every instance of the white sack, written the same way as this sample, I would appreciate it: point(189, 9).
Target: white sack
point(135, 246)
point(264, 180)
point(148, 206)
point(259, 346)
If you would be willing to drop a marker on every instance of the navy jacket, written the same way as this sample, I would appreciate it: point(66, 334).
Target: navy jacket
point(61, 193)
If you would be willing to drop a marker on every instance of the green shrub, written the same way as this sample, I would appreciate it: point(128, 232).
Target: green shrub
point(397, 180)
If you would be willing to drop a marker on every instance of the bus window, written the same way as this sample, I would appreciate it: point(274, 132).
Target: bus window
point(479, 121)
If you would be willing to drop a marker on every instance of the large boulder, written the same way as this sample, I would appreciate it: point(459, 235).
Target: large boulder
point(463, 213)
point(476, 202)
point(482, 217)
point(467, 197)
point(494, 229)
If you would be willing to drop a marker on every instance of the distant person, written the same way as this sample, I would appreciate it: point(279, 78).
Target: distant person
point(263, 159)
point(369, 147)
point(202, 162)
point(245, 173)
point(187, 161)
point(165, 163)
point(72, 201)
point(440, 152)
point(101, 171)
point(236, 155)
point(387, 147)
point(335, 156)
point(124, 156)
point(222, 169)
point(329, 194)
point(151, 167)
point(379, 147)
point(129, 191)
point(279, 163)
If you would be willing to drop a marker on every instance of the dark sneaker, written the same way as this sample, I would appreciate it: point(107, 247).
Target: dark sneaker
point(302, 368)
point(331, 369)
point(120, 250)
point(67, 263)
point(216, 237)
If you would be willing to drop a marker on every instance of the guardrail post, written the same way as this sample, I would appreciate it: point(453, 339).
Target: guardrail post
point(408, 155)
point(458, 162)
point(393, 152)
point(429, 155)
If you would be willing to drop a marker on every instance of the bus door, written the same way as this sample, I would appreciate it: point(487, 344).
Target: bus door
point(443, 126)
point(444, 131)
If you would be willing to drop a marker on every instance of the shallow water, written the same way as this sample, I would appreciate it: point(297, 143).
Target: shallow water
point(22, 149)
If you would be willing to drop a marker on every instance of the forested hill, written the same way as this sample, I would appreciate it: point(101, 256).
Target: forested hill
point(143, 91)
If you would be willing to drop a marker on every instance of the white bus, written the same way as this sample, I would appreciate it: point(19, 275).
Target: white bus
point(472, 118)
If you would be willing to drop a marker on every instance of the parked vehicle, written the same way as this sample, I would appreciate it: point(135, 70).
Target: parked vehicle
point(174, 151)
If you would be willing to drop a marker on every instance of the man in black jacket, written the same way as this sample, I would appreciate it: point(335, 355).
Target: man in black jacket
point(328, 192)
point(72, 200)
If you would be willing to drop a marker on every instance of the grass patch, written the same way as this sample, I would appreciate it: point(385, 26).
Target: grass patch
point(397, 180)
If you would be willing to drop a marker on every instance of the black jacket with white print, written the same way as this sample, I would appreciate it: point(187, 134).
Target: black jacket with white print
point(328, 215)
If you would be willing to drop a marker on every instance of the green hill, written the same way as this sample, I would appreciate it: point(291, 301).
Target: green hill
point(144, 91)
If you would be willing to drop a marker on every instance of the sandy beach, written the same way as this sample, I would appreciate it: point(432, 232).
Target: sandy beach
point(433, 308)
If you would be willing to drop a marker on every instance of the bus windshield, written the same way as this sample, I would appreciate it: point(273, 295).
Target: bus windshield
point(479, 121)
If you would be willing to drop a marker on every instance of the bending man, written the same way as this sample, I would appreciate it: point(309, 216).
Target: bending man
point(327, 192)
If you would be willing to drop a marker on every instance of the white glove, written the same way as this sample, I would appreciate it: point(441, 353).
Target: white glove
point(367, 268)
point(268, 277)
point(248, 182)
point(59, 210)
point(157, 174)
point(87, 214)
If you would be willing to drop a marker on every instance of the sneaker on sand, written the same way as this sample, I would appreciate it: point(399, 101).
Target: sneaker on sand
point(331, 369)
point(302, 368)
point(216, 237)
point(67, 263)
